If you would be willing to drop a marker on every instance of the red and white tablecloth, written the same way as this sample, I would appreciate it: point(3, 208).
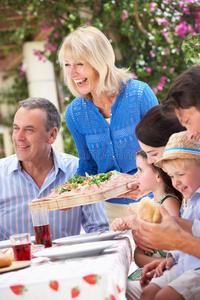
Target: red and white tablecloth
point(101, 277)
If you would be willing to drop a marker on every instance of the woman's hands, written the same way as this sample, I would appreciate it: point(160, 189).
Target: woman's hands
point(135, 193)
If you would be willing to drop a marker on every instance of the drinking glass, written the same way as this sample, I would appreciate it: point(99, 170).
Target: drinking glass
point(21, 245)
point(40, 220)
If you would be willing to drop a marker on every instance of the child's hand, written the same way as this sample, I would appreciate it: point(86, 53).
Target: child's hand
point(164, 265)
point(148, 272)
point(118, 224)
point(132, 222)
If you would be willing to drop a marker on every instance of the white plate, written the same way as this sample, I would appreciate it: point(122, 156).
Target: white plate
point(72, 251)
point(6, 243)
point(87, 237)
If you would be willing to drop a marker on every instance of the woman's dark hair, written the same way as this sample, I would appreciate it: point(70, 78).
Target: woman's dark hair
point(154, 129)
point(169, 189)
point(184, 92)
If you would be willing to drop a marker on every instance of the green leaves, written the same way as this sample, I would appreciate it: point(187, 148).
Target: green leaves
point(191, 48)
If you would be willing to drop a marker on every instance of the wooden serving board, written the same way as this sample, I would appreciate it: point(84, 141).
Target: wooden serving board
point(81, 199)
point(16, 265)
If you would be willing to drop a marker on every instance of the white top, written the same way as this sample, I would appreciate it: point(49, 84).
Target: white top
point(107, 120)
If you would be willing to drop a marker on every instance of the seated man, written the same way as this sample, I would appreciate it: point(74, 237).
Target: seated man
point(35, 170)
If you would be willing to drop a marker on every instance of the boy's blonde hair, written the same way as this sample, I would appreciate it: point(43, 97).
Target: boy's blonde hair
point(88, 43)
point(183, 162)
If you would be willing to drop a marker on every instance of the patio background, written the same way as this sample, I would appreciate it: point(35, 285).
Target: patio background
point(157, 40)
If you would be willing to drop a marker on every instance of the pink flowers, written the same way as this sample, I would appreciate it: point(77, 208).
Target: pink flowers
point(148, 69)
point(50, 47)
point(182, 29)
point(56, 34)
point(166, 35)
point(40, 55)
point(152, 6)
point(134, 75)
point(124, 15)
point(162, 21)
point(161, 83)
point(152, 53)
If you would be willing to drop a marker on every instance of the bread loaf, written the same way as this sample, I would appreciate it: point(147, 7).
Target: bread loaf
point(6, 259)
point(148, 210)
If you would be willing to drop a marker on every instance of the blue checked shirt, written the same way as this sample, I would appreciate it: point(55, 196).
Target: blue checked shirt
point(18, 189)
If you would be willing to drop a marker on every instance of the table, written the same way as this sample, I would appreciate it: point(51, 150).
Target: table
point(101, 277)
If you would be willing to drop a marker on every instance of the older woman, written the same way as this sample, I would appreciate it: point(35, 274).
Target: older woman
point(107, 107)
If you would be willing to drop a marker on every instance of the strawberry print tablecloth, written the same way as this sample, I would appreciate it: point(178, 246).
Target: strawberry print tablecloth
point(101, 277)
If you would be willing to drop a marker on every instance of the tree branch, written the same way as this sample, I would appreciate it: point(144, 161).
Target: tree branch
point(139, 24)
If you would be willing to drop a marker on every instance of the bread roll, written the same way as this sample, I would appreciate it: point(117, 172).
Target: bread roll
point(148, 210)
point(6, 260)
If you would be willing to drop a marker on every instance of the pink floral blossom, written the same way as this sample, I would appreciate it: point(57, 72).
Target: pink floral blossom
point(56, 34)
point(88, 23)
point(197, 20)
point(172, 69)
point(181, 3)
point(162, 21)
point(164, 67)
point(152, 6)
point(40, 55)
point(46, 29)
point(167, 51)
point(152, 53)
point(134, 75)
point(148, 69)
point(182, 29)
point(50, 47)
point(161, 83)
point(124, 15)
point(165, 34)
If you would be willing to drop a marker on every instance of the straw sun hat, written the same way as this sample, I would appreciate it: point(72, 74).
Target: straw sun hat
point(179, 146)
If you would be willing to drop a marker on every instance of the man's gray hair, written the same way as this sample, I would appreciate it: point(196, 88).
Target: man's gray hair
point(53, 115)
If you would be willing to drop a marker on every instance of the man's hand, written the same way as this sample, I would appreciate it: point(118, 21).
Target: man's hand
point(140, 242)
point(153, 234)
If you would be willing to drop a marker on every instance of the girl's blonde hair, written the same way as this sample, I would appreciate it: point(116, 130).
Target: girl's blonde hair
point(89, 44)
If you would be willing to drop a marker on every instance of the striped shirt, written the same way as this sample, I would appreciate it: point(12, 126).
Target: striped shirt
point(18, 189)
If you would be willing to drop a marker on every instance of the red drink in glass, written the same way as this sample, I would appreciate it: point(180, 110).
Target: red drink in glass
point(43, 235)
point(22, 251)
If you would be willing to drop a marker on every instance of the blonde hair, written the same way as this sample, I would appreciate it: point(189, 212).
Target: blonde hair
point(183, 162)
point(89, 44)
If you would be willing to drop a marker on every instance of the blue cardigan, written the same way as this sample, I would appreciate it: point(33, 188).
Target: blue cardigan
point(102, 147)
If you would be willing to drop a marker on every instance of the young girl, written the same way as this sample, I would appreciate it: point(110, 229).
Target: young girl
point(151, 178)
